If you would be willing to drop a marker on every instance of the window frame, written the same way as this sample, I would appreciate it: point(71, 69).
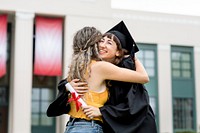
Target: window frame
point(184, 87)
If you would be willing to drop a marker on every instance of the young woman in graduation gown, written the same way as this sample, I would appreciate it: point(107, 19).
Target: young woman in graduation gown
point(127, 109)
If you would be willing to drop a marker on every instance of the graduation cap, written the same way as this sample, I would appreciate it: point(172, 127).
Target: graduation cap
point(121, 32)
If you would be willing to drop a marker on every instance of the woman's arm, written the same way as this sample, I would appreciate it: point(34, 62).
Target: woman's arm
point(108, 71)
point(139, 67)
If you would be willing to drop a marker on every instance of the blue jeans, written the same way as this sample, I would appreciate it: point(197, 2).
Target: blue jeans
point(83, 127)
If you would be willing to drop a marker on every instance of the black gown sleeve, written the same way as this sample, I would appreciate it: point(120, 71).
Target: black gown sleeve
point(60, 105)
point(127, 106)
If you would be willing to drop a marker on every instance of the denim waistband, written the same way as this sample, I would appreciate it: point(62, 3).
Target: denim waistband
point(73, 120)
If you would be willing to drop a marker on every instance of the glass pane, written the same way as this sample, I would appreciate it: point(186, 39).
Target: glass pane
point(153, 104)
point(35, 93)
point(35, 106)
point(44, 106)
point(35, 119)
point(149, 54)
point(176, 73)
point(176, 65)
point(186, 74)
point(150, 72)
point(189, 112)
point(3, 95)
point(139, 55)
point(186, 65)
point(46, 120)
point(47, 94)
point(185, 56)
point(176, 56)
point(149, 63)
point(142, 61)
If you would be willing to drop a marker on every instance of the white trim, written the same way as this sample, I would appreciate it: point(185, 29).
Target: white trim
point(197, 49)
point(24, 15)
point(156, 18)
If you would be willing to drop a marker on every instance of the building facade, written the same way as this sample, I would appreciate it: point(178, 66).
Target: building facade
point(169, 49)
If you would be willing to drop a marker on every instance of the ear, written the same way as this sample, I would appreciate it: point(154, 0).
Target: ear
point(117, 53)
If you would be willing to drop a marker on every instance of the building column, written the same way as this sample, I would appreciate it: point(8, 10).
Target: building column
point(21, 74)
point(164, 89)
point(197, 84)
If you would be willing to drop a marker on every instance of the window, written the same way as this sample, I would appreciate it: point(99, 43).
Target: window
point(43, 93)
point(181, 64)
point(3, 96)
point(152, 101)
point(41, 98)
point(147, 57)
point(183, 113)
point(4, 86)
point(183, 89)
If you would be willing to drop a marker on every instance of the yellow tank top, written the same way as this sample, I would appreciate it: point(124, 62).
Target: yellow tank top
point(96, 99)
point(91, 98)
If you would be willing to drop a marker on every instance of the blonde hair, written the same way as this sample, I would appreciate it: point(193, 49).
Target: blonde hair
point(85, 49)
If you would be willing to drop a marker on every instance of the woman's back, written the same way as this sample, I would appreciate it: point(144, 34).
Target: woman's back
point(94, 80)
point(96, 96)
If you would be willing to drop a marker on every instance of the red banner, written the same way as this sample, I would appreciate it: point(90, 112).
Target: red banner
point(48, 46)
point(3, 44)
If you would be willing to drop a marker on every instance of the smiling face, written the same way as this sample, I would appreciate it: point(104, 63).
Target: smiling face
point(109, 49)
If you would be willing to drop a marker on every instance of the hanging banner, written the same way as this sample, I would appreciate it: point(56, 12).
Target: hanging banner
point(3, 44)
point(48, 46)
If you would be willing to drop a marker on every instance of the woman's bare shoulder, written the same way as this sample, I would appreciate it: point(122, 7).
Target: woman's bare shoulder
point(102, 64)
point(103, 67)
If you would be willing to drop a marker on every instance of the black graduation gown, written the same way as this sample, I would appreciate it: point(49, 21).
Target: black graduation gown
point(60, 105)
point(128, 109)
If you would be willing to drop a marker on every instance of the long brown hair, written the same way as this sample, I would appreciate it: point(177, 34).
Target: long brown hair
point(85, 49)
